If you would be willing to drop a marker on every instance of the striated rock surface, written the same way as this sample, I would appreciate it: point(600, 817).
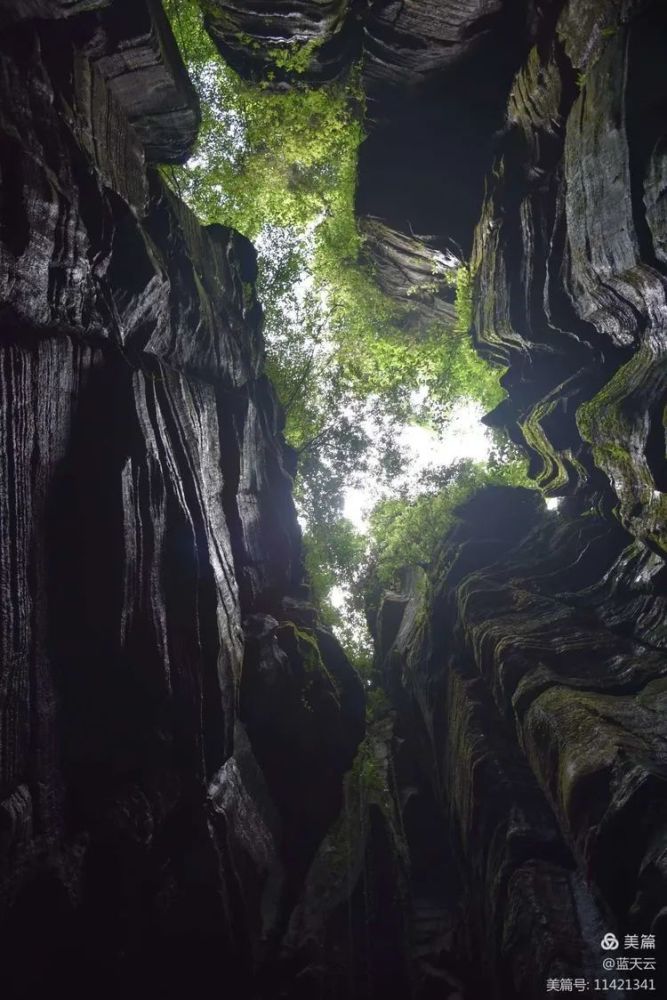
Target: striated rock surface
point(147, 838)
point(411, 272)
point(533, 681)
point(402, 44)
point(294, 41)
point(574, 197)
point(529, 675)
point(190, 799)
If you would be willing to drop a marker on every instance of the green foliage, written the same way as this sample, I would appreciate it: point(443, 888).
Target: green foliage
point(263, 157)
point(280, 165)
point(463, 284)
point(335, 555)
point(406, 532)
point(294, 58)
point(377, 704)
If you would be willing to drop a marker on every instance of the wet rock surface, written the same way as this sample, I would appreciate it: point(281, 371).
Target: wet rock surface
point(536, 667)
point(147, 521)
point(190, 798)
point(535, 674)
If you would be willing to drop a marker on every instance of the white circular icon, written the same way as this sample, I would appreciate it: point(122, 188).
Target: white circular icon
point(609, 942)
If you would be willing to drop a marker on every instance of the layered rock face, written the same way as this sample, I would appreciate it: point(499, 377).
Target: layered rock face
point(577, 196)
point(165, 691)
point(402, 43)
point(531, 677)
point(189, 799)
point(434, 78)
point(530, 686)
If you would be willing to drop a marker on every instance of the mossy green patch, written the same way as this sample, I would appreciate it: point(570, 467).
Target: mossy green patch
point(614, 425)
point(315, 670)
point(296, 57)
point(559, 468)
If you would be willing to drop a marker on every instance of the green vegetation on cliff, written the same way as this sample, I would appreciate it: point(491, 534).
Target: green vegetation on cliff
point(263, 157)
point(406, 531)
point(350, 365)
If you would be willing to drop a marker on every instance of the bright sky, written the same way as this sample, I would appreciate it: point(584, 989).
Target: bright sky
point(465, 436)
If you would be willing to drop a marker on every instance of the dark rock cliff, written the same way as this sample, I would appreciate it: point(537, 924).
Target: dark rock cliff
point(530, 684)
point(174, 725)
point(530, 674)
point(190, 801)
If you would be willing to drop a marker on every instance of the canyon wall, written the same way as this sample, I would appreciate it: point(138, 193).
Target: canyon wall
point(174, 731)
point(190, 798)
point(533, 665)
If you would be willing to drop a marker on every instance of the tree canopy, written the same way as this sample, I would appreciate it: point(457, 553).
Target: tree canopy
point(350, 365)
